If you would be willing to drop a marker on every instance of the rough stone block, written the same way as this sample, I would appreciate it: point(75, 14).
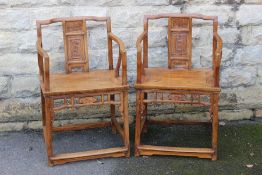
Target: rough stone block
point(151, 3)
point(21, 88)
point(253, 2)
point(250, 55)
point(18, 64)
point(249, 15)
point(224, 13)
point(106, 3)
point(5, 86)
point(30, 3)
point(14, 19)
point(238, 76)
point(235, 115)
point(259, 113)
point(16, 126)
point(229, 35)
point(133, 16)
point(19, 109)
point(251, 35)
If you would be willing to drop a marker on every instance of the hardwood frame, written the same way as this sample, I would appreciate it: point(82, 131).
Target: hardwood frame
point(176, 83)
point(73, 96)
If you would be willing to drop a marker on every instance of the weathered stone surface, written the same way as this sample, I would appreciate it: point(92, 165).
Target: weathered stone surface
point(3, 3)
point(253, 2)
point(206, 57)
point(108, 3)
point(13, 64)
point(259, 113)
point(202, 36)
point(151, 3)
point(30, 3)
point(235, 115)
point(19, 109)
point(251, 35)
point(88, 11)
point(259, 74)
point(249, 14)
point(5, 87)
point(250, 55)
point(179, 2)
point(249, 97)
point(238, 76)
point(16, 126)
point(18, 19)
point(224, 13)
point(229, 35)
point(229, 1)
point(133, 17)
point(20, 88)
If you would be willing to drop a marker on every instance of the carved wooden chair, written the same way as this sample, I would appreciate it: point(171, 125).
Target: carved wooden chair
point(179, 83)
point(79, 87)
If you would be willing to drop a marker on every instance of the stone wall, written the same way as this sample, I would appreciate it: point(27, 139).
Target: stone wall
point(240, 26)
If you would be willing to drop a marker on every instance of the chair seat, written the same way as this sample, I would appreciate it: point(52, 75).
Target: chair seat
point(87, 82)
point(170, 79)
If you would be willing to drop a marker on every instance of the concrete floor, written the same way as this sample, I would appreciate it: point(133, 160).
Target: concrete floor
point(240, 146)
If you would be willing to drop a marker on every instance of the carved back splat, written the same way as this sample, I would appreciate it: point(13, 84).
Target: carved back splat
point(179, 42)
point(75, 44)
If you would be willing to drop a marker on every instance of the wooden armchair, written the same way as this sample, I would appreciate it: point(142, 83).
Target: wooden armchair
point(178, 83)
point(79, 87)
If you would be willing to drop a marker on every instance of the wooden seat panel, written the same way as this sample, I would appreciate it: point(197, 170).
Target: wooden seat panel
point(93, 81)
point(184, 79)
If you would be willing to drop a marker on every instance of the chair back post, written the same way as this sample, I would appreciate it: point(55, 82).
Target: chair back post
point(109, 44)
point(43, 59)
point(145, 44)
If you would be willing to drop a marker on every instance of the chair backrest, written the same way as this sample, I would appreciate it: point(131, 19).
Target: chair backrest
point(179, 42)
point(75, 44)
point(179, 38)
point(76, 41)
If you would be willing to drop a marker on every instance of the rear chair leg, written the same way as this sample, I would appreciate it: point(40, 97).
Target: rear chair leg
point(113, 111)
point(214, 109)
point(48, 128)
point(138, 122)
point(43, 108)
point(144, 130)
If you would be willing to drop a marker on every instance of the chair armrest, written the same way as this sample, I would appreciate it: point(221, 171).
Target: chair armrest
point(217, 55)
point(43, 65)
point(121, 58)
point(140, 67)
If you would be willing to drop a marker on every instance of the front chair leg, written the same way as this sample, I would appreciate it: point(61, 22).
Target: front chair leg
point(48, 128)
point(126, 122)
point(138, 122)
point(215, 125)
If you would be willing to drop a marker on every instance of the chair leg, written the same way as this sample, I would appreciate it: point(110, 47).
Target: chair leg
point(214, 109)
point(144, 129)
point(43, 108)
point(126, 122)
point(113, 111)
point(138, 121)
point(48, 128)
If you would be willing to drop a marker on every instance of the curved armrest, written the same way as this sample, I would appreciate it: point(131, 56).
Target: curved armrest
point(121, 58)
point(139, 56)
point(118, 41)
point(43, 64)
point(217, 55)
